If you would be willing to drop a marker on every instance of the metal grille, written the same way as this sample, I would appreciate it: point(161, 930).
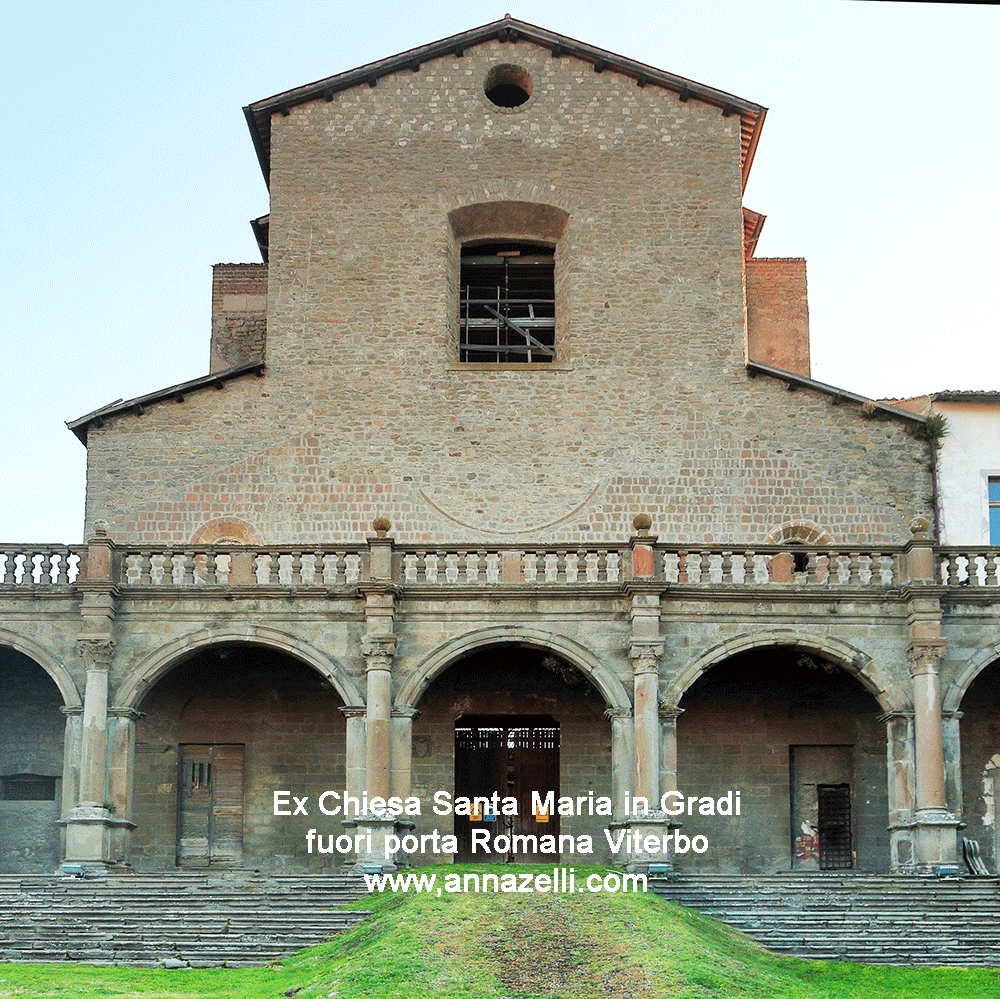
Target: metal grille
point(835, 826)
point(507, 308)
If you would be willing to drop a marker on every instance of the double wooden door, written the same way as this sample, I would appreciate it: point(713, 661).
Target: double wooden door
point(210, 806)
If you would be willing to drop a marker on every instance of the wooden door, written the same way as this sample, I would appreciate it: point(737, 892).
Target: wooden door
point(210, 806)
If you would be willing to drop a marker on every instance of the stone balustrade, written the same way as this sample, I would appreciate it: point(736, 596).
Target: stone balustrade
point(763, 565)
point(41, 565)
point(969, 566)
point(344, 566)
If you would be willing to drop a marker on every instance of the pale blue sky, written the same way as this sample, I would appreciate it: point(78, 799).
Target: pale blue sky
point(128, 171)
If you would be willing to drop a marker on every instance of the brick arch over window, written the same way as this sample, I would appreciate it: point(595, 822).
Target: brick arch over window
point(164, 659)
point(873, 677)
point(799, 533)
point(956, 690)
point(447, 654)
point(226, 530)
point(41, 656)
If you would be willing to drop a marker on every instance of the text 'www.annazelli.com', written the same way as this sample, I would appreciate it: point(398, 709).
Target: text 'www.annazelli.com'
point(561, 880)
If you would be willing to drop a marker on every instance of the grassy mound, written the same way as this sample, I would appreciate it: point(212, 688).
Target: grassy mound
point(517, 946)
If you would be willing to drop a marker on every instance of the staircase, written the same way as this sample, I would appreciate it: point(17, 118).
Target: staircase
point(865, 918)
point(172, 921)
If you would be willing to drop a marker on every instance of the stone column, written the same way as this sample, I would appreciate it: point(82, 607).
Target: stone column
point(121, 780)
point(645, 656)
point(87, 837)
point(935, 839)
point(901, 789)
point(401, 750)
point(356, 762)
point(668, 748)
point(951, 726)
point(378, 653)
point(71, 765)
point(936, 844)
point(622, 761)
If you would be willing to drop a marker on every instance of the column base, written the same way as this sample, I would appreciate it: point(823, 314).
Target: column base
point(377, 852)
point(95, 839)
point(926, 846)
point(646, 843)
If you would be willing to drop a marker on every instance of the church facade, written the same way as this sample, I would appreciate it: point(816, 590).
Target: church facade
point(509, 480)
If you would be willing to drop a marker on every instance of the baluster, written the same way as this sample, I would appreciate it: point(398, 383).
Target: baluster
point(451, 567)
point(410, 567)
point(592, 561)
point(210, 568)
point(992, 570)
point(614, 567)
point(45, 566)
point(572, 567)
point(28, 572)
point(682, 566)
point(295, 569)
point(352, 568)
point(492, 567)
point(155, 569)
point(5, 565)
point(431, 567)
point(62, 573)
point(472, 566)
point(531, 566)
point(168, 569)
point(727, 568)
point(328, 567)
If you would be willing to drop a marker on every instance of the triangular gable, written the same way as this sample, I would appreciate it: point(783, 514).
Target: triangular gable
point(508, 30)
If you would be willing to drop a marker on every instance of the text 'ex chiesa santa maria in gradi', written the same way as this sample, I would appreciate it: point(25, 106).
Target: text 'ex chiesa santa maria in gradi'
point(509, 523)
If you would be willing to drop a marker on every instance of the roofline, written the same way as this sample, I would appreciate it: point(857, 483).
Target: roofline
point(791, 379)
point(972, 395)
point(509, 29)
point(177, 392)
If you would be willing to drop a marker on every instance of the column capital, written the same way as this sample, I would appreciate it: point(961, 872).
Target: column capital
point(669, 712)
point(925, 656)
point(96, 653)
point(378, 651)
point(131, 714)
point(616, 714)
point(645, 655)
point(411, 713)
point(71, 710)
point(353, 710)
point(896, 713)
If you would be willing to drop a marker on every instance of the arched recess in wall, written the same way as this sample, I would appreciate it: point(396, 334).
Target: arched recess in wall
point(48, 662)
point(508, 229)
point(956, 690)
point(799, 533)
point(157, 663)
point(226, 531)
point(869, 673)
point(577, 655)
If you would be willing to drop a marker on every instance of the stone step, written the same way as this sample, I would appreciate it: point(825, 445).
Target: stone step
point(867, 918)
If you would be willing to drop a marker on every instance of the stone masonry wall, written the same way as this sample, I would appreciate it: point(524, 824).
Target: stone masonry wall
point(239, 314)
point(364, 409)
point(31, 742)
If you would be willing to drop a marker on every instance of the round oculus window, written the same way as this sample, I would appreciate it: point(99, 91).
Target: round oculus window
point(507, 86)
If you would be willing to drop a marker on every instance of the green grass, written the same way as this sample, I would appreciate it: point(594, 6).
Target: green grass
point(518, 946)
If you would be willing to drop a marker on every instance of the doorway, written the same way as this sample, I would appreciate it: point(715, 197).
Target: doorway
point(210, 806)
point(511, 756)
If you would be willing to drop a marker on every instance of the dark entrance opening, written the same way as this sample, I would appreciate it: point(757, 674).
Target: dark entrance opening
point(512, 756)
point(834, 827)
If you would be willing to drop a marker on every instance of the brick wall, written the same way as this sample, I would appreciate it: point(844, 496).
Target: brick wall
point(778, 313)
point(365, 410)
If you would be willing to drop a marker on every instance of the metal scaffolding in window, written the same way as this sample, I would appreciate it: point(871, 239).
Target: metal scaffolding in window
point(507, 306)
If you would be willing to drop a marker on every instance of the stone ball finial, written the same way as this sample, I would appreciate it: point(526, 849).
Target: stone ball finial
point(101, 529)
point(919, 527)
point(381, 526)
point(642, 522)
